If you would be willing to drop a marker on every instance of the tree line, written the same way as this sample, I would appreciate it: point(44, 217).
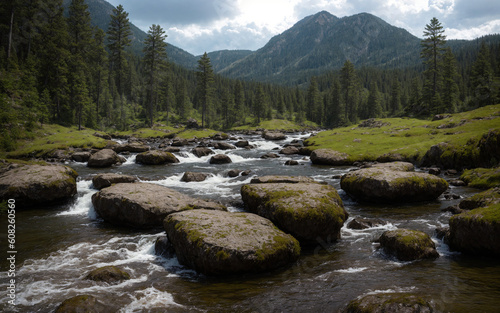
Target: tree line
point(57, 68)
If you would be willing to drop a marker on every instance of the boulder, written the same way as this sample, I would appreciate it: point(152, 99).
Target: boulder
point(281, 179)
point(218, 243)
point(307, 211)
point(482, 199)
point(156, 157)
point(101, 181)
point(81, 156)
point(104, 158)
point(108, 274)
point(329, 157)
point(386, 186)
point(164, 247)
point(179, 142)
point(270, 155)
point(37, 184)
point(134, 147)
point(233, 173)
point(408, 245)
point(82, 303)
point(220, 159)
point(242, 144)
point(143, 205)
point(291, 162)
point(364, 223)
point(395, 166)
point(390, 303)
point(192, 123)
point(289, 150)
point(223, 146)
point(194, 177)
point(220, 136)
point(274, 136)
point(202, 151)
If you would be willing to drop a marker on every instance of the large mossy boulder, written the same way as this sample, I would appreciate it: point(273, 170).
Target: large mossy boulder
point(380, 185)
point(273, 136)
point(329, 157)
point(156, 157)
point(135, 147)
point(307, 211)
point(144, 205)
point(218, 243)
point(395, 166)
point(477, 231)
point(390, 303)
point(37, 184)
point(278, 179)
point(408, 245)
point(104, 180)
point(108, 274)
point(104, 158)
point(83, 303)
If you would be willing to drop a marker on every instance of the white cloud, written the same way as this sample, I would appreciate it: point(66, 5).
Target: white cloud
point(491, 27)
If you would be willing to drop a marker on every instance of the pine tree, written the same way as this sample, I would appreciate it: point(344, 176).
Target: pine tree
point(239, 102)
point(450, 86)
point(118, 39)
point(349, 85)
point(314, 102)
point(260, 104)
point(336, 108)
point(432, 52)
point(205, 82)
point(227, 108)
point(482, 78)
point(374, 108)
point(98, 69)
point(155, 55)
point(395, 102)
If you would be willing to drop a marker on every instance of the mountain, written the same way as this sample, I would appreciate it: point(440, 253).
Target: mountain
point(223, 58)
point(323, 42)
point(100, 11)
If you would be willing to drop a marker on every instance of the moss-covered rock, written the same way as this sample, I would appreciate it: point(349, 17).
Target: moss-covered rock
point(476, 231)
point(202, 151)
point(218, 243)
point(83, 303)
point(395, 166)
point(144, 205)
point(220, 159)
point(308, 211)
point(194, 177)
point(37, 184)
point(135, 147)
point(391, 303)
point(386, 186)
point(482, 178)
point(104, 180)
point(156, 157)
point(482, 199)
point(329, 157)
point(408, 245)
point(108, 274)
point(278, 179)
point(273, 136)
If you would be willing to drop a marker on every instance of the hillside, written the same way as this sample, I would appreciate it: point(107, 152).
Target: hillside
point(323, 42)
point(223, 58)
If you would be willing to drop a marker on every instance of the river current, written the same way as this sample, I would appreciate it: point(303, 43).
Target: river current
point(59, 245)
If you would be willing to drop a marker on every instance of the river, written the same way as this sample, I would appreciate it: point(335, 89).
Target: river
point(57, 246)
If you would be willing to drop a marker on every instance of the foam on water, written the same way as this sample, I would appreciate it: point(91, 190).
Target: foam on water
point(352, 270)
point(130, 160)
point(83, 203)
point(149, 299)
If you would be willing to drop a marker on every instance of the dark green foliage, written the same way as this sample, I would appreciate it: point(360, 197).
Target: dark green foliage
point(205, 76)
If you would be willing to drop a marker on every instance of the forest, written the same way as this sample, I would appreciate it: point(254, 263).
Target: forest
point(55, 68)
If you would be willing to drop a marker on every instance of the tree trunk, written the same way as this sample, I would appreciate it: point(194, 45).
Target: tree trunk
point(10, 32)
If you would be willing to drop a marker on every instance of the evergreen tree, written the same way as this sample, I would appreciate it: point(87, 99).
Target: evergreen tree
point(336, 108)
point(432, 52)
point(205, 82)
point(118, 39)
point(260, 104)
point(239, 102)
point(374, 108)
point(154, 61)
point(314, 102)
point(395, 102)
point(98, 69)
point(227, 108)
point(182, 99)
point(349, 85)
point(450, 86)
point(482, 78)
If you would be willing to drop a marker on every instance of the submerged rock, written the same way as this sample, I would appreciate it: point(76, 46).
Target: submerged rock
point(390, 303)
point(144, 205)
point(386, 186)
point(82, 303)
point(408, 245)
point(101, 181)
point(156, 157)
point(307, 211)
point(329, 157)
point(108, 274)
point(194, 177)
point(364, 223)
point(218, 243)
point(37, 184)
point(104, 158)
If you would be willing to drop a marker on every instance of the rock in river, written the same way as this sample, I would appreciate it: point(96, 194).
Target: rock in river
point(390, 303)
point(329, 157)
point(107, 179)
point(37, 184)
point(156, 157)
point(144, 205)
point(220, 159)
point(104, 158)
point(408, 245)
point(382, 185)
point(108, 274)
point(305, 210)
point(82, 303)
point(274, 136)
point(217, 243)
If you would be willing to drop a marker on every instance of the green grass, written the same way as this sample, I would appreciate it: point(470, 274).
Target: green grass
point(52, 137)
point(147, 132)
point(408, 137)
point(277, 124)
point(482, 178)
point(198, 133)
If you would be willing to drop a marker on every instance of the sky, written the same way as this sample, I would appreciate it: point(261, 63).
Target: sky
point(199, 26)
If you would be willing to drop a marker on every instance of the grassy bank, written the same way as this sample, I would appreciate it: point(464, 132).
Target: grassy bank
point(408, 137)
point(275, 124)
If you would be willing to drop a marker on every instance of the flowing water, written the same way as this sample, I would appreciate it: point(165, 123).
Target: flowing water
point(57, 246)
